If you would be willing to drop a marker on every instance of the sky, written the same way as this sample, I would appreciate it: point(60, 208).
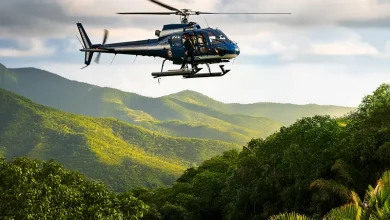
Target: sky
point(330, 52)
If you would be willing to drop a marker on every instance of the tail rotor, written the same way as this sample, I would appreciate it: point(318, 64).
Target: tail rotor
point(97, 59)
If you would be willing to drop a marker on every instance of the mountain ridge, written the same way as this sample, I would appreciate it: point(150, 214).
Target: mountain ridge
point(164, 114)
point(186, 110)
point(102, 148)
point(265, 109)
point(185, 92)
point(193, 92)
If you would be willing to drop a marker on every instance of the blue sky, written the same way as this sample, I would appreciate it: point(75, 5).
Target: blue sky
point(325, 52)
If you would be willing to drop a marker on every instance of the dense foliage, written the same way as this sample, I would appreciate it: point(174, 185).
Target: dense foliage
point(32, 189)
point(120, 154)
point(309, 168)
point(376, 205)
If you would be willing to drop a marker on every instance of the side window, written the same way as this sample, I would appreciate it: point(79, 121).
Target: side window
point(213, 38)
point(203, 43)
point(164, 41)
point(176, 40)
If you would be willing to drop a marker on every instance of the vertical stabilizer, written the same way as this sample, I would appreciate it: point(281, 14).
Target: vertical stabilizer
point(87, 44)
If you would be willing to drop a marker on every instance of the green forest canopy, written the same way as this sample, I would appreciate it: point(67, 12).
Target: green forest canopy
point(312, 167)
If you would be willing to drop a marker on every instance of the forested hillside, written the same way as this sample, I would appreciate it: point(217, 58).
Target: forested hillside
point(185, 114)
point(120, 154)
point(317, 167)
point(309, 168)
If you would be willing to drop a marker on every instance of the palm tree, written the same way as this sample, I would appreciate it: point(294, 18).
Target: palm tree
point(289, 216)
point(375, 206)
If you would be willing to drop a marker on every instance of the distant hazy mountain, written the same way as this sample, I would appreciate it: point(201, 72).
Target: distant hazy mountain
point(286, 114)
point(176, 115)
point(186, 114)
point(120, 154)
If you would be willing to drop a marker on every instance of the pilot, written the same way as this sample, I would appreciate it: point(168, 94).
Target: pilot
point(200, 39)
point(189, 48)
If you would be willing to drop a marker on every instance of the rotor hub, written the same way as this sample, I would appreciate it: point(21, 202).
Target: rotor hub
point(186, 13)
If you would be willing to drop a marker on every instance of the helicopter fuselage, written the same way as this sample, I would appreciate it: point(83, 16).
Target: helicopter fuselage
point(212, 45)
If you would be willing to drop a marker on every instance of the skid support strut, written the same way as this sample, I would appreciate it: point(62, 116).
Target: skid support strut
point(162, 66)
point(210, 74)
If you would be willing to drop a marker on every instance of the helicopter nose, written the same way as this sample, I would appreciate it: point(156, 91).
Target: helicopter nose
point(230, 49)
point(237, 50)
point(234, 49)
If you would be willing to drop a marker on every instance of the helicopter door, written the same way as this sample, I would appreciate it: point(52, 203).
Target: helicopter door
point(203, 44)
point(176, 46)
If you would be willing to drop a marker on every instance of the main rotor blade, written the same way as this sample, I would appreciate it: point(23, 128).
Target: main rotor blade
point(238, 13)
point(147, 13)
point(167, 6)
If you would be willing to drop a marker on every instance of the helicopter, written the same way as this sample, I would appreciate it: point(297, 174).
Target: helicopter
point(212, 45)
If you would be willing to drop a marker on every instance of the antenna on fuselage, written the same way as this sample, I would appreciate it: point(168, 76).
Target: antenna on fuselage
point(113, 59)
point(206, 22)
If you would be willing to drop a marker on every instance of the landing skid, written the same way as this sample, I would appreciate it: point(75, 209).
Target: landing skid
point(193, 73)
point(178, 72)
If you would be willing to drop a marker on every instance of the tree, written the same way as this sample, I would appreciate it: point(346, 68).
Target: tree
point(289, 216)
point(375, 206)
point(33, 189)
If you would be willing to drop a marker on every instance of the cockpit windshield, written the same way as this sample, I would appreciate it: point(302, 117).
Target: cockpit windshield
point(222, 35)
point(217, 36)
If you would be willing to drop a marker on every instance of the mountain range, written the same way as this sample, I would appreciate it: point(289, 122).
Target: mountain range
point(187, 113)
point(125, 139)
point(120, 154)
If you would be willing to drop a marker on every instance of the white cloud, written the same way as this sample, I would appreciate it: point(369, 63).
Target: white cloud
point(344, 48)
point(263, 37)
point(28, 48)
point(290, 44)
point(317, 12)
point(304, 12)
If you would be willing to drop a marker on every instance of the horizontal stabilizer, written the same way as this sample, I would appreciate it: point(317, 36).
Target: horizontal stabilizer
point(97, 50)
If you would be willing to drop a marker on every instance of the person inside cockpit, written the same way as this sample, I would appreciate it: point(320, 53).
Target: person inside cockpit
point(202, 43)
